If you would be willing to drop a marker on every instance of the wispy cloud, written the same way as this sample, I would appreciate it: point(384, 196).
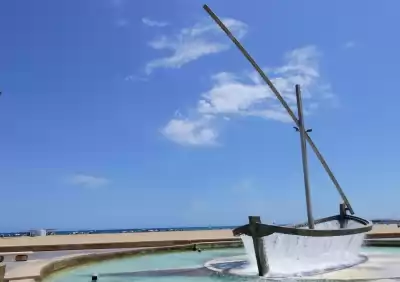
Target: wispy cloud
point(154, 23)
point(191, 132)
point(88, 181)
point(133, 77)
point(349, 44)
point(247, 95)
point(232, 95)
point(118, 7)
point(192, 43)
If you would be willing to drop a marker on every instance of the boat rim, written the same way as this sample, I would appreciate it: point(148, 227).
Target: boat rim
point(262, 230)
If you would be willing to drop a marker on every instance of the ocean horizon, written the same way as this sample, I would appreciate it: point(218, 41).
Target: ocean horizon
point(54, 231)
point(113, 231)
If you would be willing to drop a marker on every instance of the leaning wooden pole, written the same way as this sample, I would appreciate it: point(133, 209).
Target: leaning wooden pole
point(283, 102)
point(259, 248)
point(304, 156)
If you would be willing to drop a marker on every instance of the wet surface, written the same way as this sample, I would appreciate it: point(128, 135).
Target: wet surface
point(382, 265)
point(187, 272)
point(239, 268)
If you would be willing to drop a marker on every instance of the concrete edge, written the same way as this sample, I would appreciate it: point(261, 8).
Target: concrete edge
point(52, 266)
point(142, 244)
point(382, 235)
point(107, 245)
point(382, 243)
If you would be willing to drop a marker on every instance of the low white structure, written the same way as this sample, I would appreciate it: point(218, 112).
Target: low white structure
point(38, 232)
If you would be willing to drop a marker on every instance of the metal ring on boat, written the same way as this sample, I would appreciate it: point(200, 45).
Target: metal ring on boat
point(263, 230)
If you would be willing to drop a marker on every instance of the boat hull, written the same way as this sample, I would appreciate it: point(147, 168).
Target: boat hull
point(274, 250)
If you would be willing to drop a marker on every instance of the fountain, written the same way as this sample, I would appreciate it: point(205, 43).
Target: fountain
point(296, 251)
point(281, 251)
point(317, 246)
point(320, 249)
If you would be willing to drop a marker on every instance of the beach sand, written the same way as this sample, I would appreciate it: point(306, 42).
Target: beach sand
point(385, 228)
point(82, 239)
point(91, 239)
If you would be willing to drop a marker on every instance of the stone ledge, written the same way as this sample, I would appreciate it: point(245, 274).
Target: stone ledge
point(37, 270)
point(108, 245)
point(382, 243)
point(382, 235)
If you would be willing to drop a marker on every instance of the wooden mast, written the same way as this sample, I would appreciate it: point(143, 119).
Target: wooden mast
point(304, 156)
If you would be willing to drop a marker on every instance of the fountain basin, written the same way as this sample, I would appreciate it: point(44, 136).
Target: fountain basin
point(242, 267)
point(187, 266)
point(291, 251)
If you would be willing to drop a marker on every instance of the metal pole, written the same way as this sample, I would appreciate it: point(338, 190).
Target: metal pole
point(283, 102)
point(304, 156)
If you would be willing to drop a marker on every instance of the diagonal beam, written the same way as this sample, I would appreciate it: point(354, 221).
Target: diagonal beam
point(283, 102)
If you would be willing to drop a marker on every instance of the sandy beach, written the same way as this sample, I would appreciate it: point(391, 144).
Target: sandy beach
point(133, 239)
point(122, 237)
point(385, 228)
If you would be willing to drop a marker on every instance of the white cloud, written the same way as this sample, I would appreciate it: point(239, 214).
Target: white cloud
point(349, 44)
point(190, 44)
point(233, 95)
point(154, 23)
point(247, 95)
point(191, 132)
point(88, 181)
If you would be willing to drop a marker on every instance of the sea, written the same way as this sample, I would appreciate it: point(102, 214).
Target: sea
point(114, 231)
point(156, 229)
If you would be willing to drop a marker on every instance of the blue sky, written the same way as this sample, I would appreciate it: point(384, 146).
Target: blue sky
point(119, 114)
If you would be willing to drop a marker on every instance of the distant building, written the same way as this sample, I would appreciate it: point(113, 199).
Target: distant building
point(40, 232)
